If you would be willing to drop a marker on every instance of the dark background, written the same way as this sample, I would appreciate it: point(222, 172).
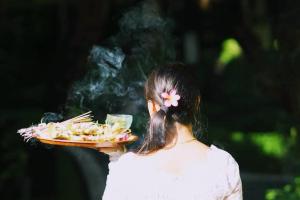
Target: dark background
point(245, 54)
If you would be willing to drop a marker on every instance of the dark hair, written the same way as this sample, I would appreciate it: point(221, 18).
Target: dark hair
point(170, 77)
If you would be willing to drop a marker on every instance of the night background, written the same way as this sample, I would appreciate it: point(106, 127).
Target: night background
point(69, 57)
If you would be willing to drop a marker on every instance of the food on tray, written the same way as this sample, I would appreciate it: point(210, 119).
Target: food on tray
point(82, 128)
point(123, 121)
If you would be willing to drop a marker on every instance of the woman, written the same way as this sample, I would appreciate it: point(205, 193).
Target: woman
point(171, 164)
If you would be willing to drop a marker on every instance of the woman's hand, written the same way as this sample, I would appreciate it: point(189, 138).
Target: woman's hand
point(113, 152)
point(109, 150)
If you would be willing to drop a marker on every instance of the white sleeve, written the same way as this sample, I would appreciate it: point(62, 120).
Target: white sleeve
point(235, 191)
point(116, 179)
point(112, 185)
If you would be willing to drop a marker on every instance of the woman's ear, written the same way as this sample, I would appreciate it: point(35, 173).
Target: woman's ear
point(152, 107)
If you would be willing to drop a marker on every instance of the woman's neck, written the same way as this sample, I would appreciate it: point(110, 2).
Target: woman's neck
point(184, 134)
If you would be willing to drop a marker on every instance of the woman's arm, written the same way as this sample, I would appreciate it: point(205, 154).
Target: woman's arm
point(235, 191)
point(113, 187)
point(116, 183)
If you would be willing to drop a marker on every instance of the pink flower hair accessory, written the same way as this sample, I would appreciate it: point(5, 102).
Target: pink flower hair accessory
point(171, 98)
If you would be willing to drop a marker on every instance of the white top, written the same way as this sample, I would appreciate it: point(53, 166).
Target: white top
point(133, 178)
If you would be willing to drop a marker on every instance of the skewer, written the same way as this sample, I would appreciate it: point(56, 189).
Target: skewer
point(85, 117)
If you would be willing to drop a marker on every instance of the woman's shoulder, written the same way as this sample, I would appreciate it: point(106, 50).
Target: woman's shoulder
point(123, 159)
point(127, 157)
point(222, 158)
point(119, 164)
point(220, 153)
point(224, 162)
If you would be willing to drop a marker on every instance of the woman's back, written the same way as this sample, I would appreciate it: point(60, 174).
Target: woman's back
point(176, 160)
point(191, 171)
point(171, 164)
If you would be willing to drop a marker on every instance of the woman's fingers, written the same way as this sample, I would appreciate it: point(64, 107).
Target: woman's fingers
point(109, 150)
point(113, 152)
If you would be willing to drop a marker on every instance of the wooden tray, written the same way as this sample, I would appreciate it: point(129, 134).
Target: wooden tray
point(87, 144)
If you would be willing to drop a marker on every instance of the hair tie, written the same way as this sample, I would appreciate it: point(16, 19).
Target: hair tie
point(170, 99)
point(164, 108)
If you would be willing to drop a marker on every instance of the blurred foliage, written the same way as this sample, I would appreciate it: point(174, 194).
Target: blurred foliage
point(275, 146)
point(271, 144)
point(231, 49)
point(288, 192)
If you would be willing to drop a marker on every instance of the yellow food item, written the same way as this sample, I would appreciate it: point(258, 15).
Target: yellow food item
point(80, 128)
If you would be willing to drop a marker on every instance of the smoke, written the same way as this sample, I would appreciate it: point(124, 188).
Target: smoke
point(108, 61)
point(144, 16)
point(119, 68)
point(51, 117)
point(101, 79)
